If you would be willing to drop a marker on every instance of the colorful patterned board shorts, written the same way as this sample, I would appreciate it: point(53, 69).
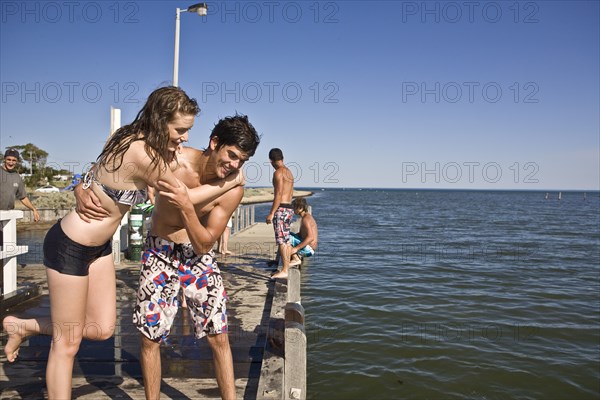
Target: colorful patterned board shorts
point(165, 267)
point(281, 223)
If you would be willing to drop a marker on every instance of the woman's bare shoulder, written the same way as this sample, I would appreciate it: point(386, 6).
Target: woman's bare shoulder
point(138, 153)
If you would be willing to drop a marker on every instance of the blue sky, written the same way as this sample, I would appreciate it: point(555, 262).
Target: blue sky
point(478, 95)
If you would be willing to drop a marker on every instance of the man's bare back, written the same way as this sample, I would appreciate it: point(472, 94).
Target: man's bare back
point(283, 182)
point(283, 188)
point(309, 227)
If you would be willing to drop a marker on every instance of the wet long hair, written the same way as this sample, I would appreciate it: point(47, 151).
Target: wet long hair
point(236, 131)
point(150, 125)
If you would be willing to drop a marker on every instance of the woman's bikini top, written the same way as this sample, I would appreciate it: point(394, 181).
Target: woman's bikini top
point(127, 197)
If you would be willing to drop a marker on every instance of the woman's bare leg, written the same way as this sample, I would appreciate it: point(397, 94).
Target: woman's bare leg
point(79, 305)
point(68, 298)
point(101, 305)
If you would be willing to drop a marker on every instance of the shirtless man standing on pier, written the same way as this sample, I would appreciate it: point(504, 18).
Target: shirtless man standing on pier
point(281, 211)
point(179, 254)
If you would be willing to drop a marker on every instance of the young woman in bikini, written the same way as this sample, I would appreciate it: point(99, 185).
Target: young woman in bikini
point(78, 252)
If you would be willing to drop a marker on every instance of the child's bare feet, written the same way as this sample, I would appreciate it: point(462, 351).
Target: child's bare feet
point(279, 275)
point(295, 261)
point(13, 327)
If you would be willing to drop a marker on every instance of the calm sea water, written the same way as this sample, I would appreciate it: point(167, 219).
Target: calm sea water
point(444, 294)
point(453, 295)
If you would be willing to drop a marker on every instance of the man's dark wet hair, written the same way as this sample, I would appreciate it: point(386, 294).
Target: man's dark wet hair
point(236, 131)
point(275, 154)
point(300, 203)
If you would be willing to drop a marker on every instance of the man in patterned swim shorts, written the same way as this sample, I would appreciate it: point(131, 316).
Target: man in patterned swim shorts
point(281, 210)
point(179, 254)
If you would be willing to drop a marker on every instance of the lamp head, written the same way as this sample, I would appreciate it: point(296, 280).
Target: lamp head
point(200, 9)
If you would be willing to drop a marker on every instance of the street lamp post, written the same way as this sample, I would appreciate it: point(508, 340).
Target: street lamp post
point(201, 9)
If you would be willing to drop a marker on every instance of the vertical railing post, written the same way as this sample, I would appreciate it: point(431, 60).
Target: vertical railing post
point(10, 250)
point(241, 218)
point(295, 353)
point(236, 220)
point(294, 284)
point(295, 340)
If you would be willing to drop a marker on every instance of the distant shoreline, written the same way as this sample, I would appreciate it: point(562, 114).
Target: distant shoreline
point(265, 195)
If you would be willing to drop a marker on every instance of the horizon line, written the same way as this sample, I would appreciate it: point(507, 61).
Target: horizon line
point(429, 188)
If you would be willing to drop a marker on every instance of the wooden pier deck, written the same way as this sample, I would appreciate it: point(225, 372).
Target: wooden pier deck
point(110, 369)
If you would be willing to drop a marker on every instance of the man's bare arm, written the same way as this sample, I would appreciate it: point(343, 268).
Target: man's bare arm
point(27, 203)
point(216, 220)
point(202, 237)
point(198, 195)
point(89, 206)
point(210, 191)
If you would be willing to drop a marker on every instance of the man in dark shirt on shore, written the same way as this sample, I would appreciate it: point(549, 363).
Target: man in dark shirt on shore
point(12, 186)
